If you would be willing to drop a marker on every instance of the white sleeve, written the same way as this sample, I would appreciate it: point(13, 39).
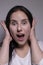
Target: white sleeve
point(6, 64)
point(40, 63)
point(40, 45)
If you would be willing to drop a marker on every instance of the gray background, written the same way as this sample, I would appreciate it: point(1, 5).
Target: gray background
point(35, 6)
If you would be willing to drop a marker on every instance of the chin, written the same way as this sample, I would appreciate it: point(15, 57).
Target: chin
point(21, 44)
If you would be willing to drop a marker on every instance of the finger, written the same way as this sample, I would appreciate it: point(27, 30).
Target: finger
point(3, 25)
point(34, 24)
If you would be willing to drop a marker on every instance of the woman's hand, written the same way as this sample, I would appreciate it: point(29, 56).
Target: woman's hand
point(36, 53)
point(32, 33)
point(4, 52)
point(7, 34)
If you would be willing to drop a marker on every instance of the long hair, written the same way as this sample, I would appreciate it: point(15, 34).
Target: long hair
point(13, 44)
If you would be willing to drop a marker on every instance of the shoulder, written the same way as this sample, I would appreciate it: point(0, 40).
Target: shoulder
point(41, 44)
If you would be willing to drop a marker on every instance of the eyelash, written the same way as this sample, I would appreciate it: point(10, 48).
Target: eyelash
point(23, 22)
point(14, 23)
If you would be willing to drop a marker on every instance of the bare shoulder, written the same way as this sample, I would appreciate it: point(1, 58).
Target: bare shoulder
point(41, 44)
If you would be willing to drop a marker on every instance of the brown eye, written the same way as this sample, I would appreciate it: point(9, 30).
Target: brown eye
point(13, 22)
point(24, 22)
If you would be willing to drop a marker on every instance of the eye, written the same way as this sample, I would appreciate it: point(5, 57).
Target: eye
point(13, 22)
point(24, 22)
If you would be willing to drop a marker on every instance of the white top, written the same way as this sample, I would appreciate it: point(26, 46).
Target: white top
point(16, 60)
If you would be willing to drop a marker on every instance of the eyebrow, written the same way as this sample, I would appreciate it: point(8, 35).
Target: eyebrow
point(16, 21)
point(24, 19)
point(12, 20)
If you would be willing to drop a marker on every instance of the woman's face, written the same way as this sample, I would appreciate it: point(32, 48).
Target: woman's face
point(19, 27)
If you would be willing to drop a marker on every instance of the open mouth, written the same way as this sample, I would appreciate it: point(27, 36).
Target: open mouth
point(20, 37)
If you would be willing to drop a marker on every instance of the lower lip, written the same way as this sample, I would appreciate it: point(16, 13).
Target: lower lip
point(21, 39)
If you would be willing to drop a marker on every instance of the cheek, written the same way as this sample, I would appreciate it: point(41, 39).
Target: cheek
point(27, 31)
point(12, 32)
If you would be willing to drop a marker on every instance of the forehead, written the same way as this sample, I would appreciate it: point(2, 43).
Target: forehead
point(18, 15)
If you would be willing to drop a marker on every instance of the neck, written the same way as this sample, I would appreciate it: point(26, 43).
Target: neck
point(22, 52)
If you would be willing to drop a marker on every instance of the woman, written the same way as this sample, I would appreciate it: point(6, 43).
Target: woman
point(20, 46)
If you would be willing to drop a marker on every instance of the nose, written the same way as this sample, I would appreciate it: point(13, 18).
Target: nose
point(19, 28)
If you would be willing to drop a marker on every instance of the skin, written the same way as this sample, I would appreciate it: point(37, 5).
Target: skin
point(20, 25)
point(19, 28)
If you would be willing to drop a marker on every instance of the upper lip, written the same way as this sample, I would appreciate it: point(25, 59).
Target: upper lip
point(20, 34)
